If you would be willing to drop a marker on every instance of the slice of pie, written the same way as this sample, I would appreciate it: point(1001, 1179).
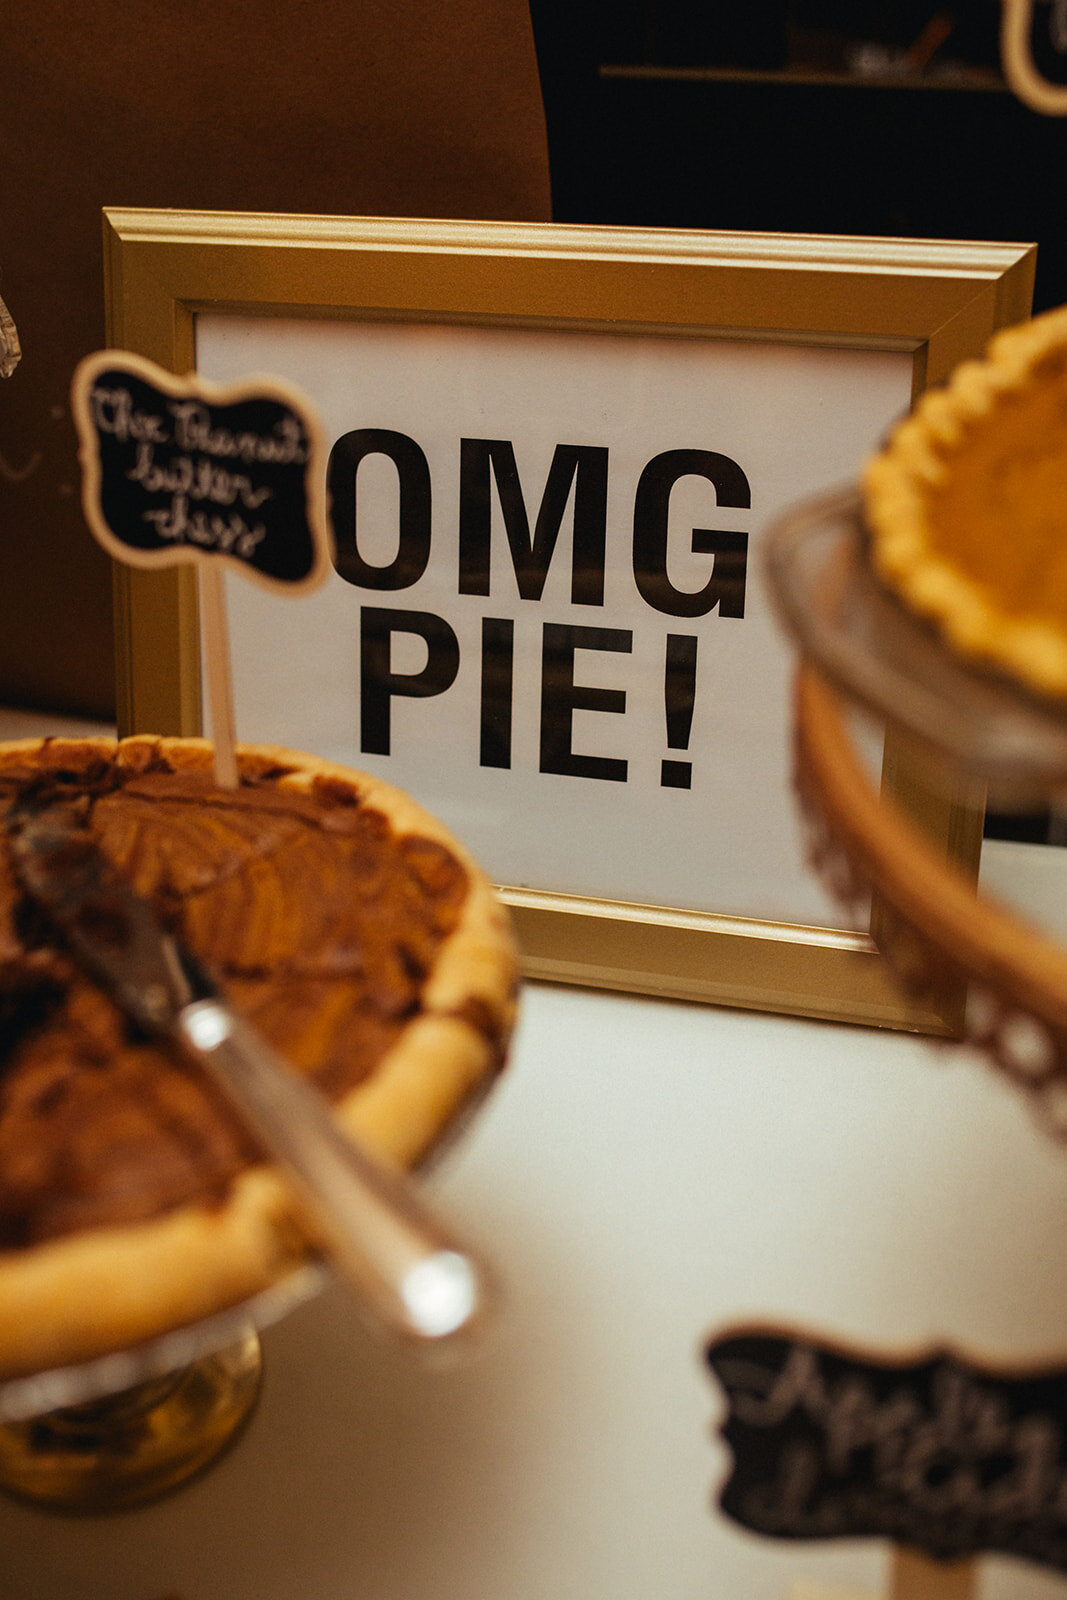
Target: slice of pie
point(967, 507)
point(346, 923)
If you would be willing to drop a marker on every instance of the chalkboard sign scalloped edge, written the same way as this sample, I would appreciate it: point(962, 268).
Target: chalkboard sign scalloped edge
point(892, 1361)
point(894, 1353)
point(256, 386)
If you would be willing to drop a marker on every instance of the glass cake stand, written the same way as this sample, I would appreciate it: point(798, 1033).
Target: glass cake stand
point(867, 663)
point(867, 645)
point(131, 1425)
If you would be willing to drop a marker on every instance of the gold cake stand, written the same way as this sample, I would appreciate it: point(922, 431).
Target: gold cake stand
point(133, 1424)
point(130, 1426)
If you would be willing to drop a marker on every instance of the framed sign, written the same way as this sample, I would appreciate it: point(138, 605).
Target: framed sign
point(552, 451)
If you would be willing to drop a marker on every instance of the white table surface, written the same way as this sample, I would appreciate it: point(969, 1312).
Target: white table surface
point(645, 1174)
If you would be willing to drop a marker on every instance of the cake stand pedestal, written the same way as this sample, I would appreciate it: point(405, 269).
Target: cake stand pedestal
point(128, 1448)
point(129, 1427)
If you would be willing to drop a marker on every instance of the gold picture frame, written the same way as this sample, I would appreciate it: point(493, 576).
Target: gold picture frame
point(938, 302)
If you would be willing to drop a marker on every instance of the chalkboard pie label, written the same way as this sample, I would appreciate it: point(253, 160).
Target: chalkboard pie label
point(178, 469)
point(935, 1452)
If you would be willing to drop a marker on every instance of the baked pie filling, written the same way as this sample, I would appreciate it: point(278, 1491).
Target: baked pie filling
point(341, 920)
point(966, 506)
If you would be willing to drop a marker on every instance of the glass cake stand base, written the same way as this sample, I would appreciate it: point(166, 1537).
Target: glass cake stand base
point(867, 669)
point(125, 1449)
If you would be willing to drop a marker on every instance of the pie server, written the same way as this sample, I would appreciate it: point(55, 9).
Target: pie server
point(369, 1220)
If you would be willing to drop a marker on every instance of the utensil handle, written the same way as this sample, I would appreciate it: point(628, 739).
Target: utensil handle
point(372, 1224)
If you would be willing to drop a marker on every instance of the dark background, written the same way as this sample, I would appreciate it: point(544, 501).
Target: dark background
point(884, 117)
point(814, 116)
point(412, 108)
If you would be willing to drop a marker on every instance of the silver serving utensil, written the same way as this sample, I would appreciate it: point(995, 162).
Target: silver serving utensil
point(406, 1269)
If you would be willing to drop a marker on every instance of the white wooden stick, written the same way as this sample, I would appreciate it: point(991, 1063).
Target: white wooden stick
point(916, 1577)
point(216, 635)
point(911, 1577)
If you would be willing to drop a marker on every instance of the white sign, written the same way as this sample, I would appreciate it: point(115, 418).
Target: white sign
point(547, 619)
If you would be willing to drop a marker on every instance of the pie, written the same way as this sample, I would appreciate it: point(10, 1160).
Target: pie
point(342, 920)
point(967, 507)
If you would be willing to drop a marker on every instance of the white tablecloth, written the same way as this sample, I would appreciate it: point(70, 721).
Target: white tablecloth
point(645, 1174)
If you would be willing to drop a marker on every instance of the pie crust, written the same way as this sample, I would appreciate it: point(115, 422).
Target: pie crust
point(967, 507)
point(115, 1283)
